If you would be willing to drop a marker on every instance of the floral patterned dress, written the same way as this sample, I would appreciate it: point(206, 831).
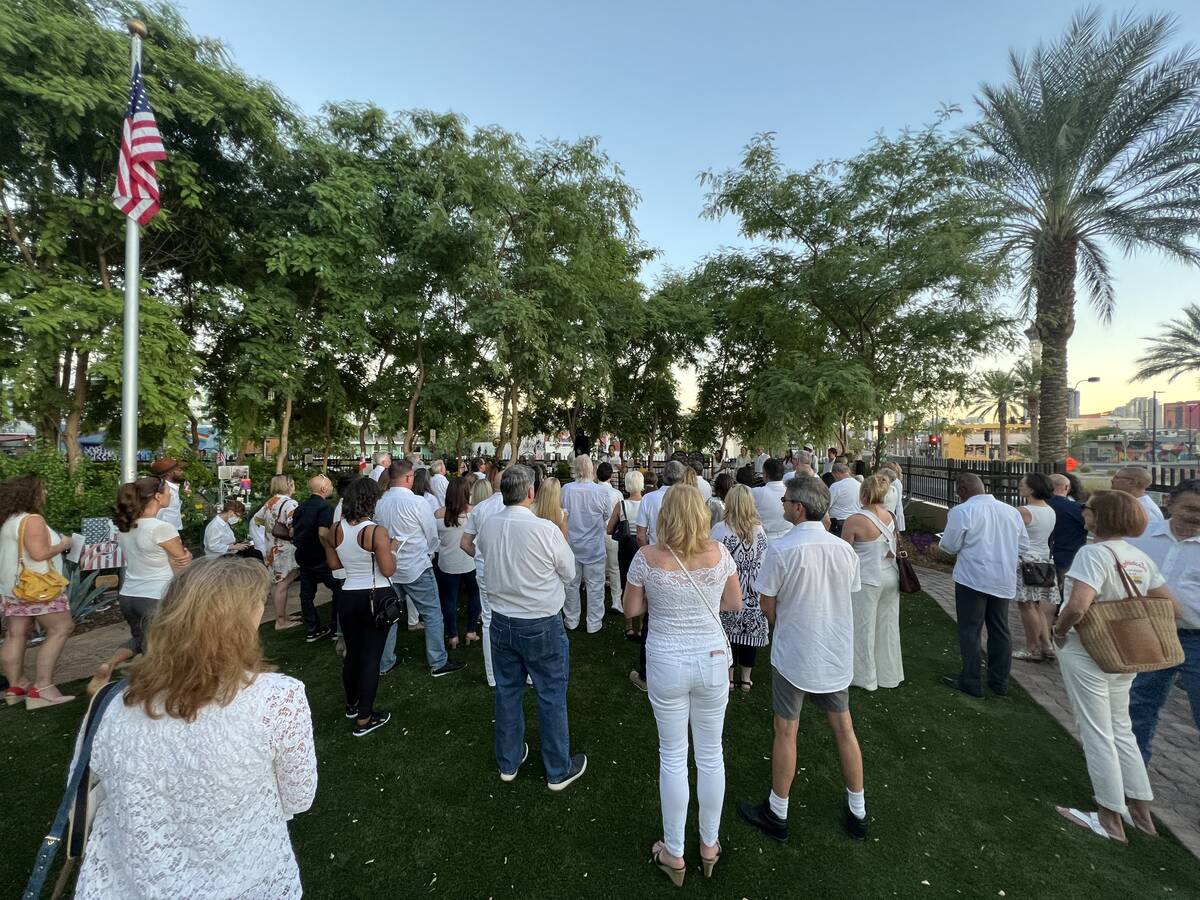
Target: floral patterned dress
point(747, 628)
point(281, 554)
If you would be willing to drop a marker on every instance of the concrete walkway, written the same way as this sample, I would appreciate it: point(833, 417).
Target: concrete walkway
point(1175, 765)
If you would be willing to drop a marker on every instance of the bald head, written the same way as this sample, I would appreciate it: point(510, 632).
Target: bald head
point(1061, 483)
point(969, 485)
point(1132, 480)
point(320, 485)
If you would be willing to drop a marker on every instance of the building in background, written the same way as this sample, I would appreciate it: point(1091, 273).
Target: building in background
point(981, 441)
point(1142, 409)
point(1073, 404)
point(1183, 415)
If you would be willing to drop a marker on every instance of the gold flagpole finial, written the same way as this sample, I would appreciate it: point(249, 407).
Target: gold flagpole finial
point(136, 26)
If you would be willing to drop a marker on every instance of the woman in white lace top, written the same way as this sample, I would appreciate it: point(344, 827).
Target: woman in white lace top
point(206, 755)
point(686, 579)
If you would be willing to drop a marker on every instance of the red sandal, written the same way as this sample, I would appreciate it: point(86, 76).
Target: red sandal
point(14, 695)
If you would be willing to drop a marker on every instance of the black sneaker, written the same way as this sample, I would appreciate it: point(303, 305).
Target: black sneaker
point(952, 681)
point(578, 767)
point(449, 668)
point(351, 711)
point(377, 720)
point(855, 827)
point(510, 776)
point(319, 635)
point(762, 818)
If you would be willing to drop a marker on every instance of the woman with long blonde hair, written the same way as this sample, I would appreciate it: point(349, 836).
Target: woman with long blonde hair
point(205, 755)
point(480, 491)
point(686, 579)
point(742, 534)
point(548, 503)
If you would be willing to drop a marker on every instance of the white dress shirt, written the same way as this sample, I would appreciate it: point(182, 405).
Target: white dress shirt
point(431, 498)
point(895, 503)
point(647, 515)
point(172, 513)
point(588, 506)
point(843, 496)
point(529, 565)
point(1179, 563)
point(768, 500)
point(479, 514)
point(988, 537)
point(758, 463)
point(827, 466)
point(218, 537)
point(1153, 513)
point(440, 484)
point(811, 574)
point(704, 487)
point(376, 472)
point(409, 520)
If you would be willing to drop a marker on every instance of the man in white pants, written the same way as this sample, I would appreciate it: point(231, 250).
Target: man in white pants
point(475, 520)
point(612, 566)
point(588, 506)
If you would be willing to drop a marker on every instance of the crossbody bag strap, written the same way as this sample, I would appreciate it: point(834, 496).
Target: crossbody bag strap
point(1131, 588)
point(82, 767)
point(704, 602)
point(21, 544)
point(893, 542)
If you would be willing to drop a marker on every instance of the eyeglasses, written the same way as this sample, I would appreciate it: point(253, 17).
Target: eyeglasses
point(1087, 506)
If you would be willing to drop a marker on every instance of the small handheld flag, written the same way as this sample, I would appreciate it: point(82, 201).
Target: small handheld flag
point(136, 194)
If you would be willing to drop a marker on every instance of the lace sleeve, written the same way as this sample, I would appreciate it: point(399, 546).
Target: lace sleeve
point(727, 565)
point(289, 722)
point(637, 570)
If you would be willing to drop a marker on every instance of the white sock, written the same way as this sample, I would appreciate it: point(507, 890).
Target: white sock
point(858, 802)
point(778, 805)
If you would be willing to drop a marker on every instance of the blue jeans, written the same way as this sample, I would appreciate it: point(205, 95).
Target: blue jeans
point(538, 648)
point(423, 593)
point(450, 585)
point(1151, 689)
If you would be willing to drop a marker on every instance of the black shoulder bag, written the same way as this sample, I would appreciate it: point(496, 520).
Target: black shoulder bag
point(386, 606)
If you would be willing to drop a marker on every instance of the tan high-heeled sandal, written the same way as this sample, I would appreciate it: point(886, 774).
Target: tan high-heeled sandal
point(676, 875)
point(709, 864)
point(34, 699)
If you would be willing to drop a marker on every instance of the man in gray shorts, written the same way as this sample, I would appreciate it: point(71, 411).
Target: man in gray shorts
point(804, 587)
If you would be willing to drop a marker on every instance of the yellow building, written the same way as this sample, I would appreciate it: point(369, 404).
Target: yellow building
point(982, 441)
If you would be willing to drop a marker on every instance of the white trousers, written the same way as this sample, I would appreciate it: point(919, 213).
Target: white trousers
point(1101, 705)
point(689, 689)
point(593, 574)
point(877, 659)
point(485, 614)
point(613, 573)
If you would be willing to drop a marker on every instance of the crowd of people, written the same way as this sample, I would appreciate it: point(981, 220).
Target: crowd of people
point(793, 554)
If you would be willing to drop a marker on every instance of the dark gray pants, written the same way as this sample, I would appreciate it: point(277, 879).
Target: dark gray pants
point(976, 609)
point(135, 610)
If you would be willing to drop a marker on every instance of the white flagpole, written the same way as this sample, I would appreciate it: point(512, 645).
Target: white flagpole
point(129, 364)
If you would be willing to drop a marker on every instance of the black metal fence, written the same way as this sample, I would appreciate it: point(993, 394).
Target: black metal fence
point(933, 479)
point(1164, 478)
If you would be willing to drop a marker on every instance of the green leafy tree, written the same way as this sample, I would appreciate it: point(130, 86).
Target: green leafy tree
point(1175, 351)
point(64, 83)
point(874, 291)
point(1094, 137)
point(997, 392)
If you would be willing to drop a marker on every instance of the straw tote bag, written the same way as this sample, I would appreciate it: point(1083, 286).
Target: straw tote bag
point(1134, 634)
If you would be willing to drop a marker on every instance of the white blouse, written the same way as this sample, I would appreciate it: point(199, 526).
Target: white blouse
point(684, 624)
point(200, 809)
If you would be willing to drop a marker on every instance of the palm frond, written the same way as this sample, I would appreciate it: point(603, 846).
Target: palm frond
point(1174, 352)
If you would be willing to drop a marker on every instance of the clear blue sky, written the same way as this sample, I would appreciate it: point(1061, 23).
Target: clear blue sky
point(673, 88)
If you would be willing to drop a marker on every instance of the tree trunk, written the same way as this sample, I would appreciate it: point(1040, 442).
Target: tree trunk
point(514, 425)
point(880, 438)
point(504, 410)
point(1002, 409)
point(284, 425)
point(75, 416)
point(1055, 268)
point(194, 425)
point(1031, 408)
point(362, 431)
point(412, 400)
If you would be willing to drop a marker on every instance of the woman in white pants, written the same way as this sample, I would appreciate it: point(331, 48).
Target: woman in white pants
point(872, 533)
point(686, 579)
point(1101, 700)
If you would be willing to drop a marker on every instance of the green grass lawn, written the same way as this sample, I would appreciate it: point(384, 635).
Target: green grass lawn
point(960, 792)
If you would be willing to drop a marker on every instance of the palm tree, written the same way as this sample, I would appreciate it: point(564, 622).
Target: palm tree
point(1176, 351)
point(1094, 137)
point(1030, 375)
point(996, 392)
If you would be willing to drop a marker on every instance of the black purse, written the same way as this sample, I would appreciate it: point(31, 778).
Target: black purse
point(386, 605)
point(621, 530)
point(1038, 574)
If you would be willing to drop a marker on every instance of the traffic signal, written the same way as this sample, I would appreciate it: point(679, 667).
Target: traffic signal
point(934, 440)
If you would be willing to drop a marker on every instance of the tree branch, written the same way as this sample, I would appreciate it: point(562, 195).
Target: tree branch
point(13, 231)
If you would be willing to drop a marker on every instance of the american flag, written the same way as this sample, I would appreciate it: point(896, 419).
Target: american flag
point(136, 194)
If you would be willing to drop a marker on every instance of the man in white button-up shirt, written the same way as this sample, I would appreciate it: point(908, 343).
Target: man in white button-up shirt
point(612, 567)
point(410, 524)
point(805, 588)
point(475, 521)
point(588, 506)
point(768, 500)
point(843, 494)
point(1174, 545)
point(383, 461)
point(647, 516)
point(528, 565)
point(438, 482)
point(988, 536)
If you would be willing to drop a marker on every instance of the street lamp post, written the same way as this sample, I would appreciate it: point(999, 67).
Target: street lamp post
point(1090, 380)
point(1153, 430)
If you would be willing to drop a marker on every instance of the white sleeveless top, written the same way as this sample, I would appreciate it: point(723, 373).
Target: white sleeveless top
point(1038, 529)
point(9, 566)
point(872, 555)
point(362, 571)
